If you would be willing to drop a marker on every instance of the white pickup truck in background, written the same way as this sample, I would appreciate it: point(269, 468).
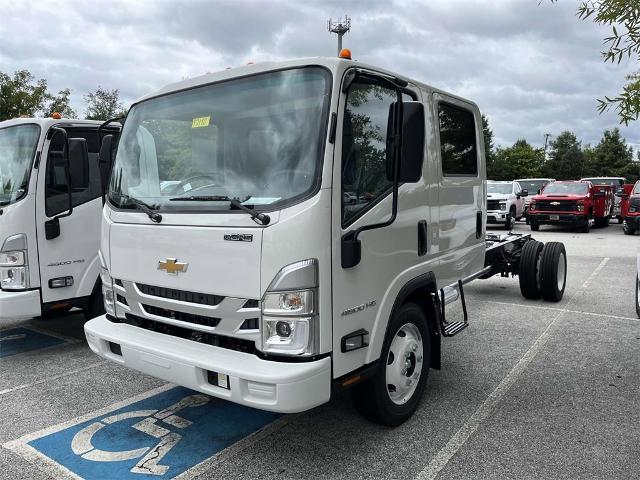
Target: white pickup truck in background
point(505, 203)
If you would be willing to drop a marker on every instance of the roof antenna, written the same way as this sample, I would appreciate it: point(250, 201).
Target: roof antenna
point(339, 28)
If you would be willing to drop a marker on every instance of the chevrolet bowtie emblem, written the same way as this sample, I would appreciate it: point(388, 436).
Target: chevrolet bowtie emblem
point(172, 266)
point(555, 203)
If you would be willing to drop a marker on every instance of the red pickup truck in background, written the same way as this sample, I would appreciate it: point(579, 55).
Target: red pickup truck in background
point(630, 208)
point(576, 203)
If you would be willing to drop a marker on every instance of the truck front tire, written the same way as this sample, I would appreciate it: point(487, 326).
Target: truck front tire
point(534, 226)
point(392, 395)
point(553, 271)
point(528, 273)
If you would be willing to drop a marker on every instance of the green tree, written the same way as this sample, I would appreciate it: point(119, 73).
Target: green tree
point(21, 95)
point(60, 103)
point(488, 143)
point(521, 160)
point(623, 16)
point(103, 104)
point(567, 160)
point(610, 157)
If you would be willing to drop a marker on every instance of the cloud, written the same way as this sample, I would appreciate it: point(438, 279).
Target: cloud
point(532, 68)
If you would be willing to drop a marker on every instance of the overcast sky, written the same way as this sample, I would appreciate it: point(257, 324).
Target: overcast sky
point(532, 68)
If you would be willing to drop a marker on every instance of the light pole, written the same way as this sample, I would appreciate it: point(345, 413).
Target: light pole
point(546, 141)
point(339, 28)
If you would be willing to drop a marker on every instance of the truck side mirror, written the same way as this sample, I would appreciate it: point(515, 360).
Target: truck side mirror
point(412, 148)
point(105, 158)
point(598, 194)
point(78, 163)
point(524, 193)
point(620, 192)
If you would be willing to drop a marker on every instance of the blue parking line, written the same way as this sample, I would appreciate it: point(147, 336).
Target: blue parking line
point(19, 340)
point(158, 437)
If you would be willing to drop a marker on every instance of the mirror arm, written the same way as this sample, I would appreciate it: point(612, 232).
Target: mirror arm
point(397, 146)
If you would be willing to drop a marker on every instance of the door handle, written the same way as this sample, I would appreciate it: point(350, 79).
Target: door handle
point(478, 223)
point(422, 238)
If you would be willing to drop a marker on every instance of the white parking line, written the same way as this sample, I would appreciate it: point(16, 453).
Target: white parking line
point(565, 310)
point(54, 377)
point(440, 460)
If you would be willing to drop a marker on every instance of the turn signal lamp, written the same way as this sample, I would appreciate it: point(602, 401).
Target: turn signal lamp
point(56, 115)
point(345, 53)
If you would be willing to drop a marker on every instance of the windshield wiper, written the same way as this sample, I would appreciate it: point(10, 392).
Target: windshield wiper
point(263, 218)
point(148, 209)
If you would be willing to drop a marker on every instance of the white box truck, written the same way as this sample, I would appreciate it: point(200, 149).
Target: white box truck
point(51, 198)
point(324, 213)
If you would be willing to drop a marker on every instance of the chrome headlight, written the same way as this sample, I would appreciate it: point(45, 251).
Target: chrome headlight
point(289, 314)
point(107, 291)
point(14, 271)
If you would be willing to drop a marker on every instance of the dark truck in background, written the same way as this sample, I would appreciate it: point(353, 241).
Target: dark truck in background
point(629, 196)
point(579, 204)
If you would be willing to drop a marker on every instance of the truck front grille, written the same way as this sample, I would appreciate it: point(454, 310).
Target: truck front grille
point(493, 204)
point(205, 313)
point(182, 316)
point(238, 344)
point(557, 206)
point(180, 295)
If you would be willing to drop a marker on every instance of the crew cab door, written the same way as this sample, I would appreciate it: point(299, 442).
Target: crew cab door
point(462, 188)
point(364, 294)
point(69, 266)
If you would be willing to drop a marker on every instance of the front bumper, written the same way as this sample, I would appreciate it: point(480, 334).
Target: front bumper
point(555, 218)
point(284, 387)
point(496, 216)
point(19, 305)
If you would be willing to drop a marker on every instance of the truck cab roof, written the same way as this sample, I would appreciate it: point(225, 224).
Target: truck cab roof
point(334, 64)
point(46, 122)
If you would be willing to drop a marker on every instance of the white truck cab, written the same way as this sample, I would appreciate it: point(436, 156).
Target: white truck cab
point(505, 203)
point(323, 214)
point(51, 196)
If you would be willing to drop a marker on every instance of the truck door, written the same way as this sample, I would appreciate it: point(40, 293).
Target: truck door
point(462, 212)
point(363, 295)
point(69, 264)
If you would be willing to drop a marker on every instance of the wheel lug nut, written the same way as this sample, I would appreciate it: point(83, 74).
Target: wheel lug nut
point(408, 383)
point(414, 347)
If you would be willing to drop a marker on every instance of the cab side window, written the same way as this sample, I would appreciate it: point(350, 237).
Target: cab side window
point(364, 139)
point(458, 147)
point(85, 179)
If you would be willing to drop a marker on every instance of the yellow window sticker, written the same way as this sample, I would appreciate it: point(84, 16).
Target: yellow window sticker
point(201, 122)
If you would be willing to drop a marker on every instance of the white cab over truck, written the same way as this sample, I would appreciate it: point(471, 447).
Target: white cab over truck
point(324, 214)
point(51, 198)
point(505, 203)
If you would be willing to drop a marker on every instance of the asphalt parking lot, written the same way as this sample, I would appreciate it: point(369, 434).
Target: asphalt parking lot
point(529, 390)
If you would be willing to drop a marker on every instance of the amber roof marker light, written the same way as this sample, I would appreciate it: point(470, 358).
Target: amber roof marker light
point(56, 115)
point(345, 53)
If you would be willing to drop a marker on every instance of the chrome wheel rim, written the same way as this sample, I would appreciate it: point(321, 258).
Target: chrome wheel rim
point(404, 363)
point(562, 268)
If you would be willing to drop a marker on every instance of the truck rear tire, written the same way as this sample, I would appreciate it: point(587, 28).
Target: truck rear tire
point(528, 274)
point(628, 229)
point(553, 271)
point(392, 395)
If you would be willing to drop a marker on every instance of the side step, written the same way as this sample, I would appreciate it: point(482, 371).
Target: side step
point(449, 295)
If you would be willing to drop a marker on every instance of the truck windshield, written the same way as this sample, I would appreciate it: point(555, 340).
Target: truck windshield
point(256, 139)
point(533, 186)
point(17, 148)
point(567, 188)
point(612, 182)
point(502, 188)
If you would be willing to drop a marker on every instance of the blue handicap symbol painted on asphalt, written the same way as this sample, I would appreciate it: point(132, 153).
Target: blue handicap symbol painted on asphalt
point(161, 436)
point(18, 340)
